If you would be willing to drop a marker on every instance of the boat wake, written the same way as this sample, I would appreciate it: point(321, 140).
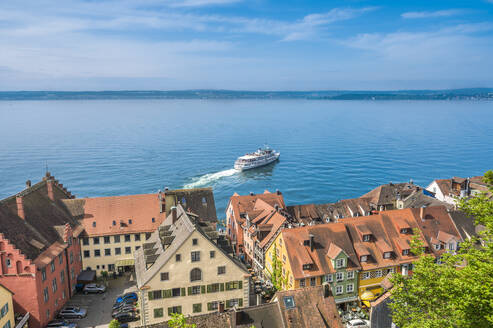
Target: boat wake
point(209, 178)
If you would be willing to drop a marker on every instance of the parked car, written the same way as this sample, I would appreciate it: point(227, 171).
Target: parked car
point(71, 312)
point(126, 302)
point(61, 324)
point(358, 323)
point(128, 308)
point(127, 296)
point(94, 288)
point(126, 317)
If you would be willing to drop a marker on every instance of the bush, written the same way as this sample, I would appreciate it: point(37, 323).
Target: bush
point(114, 324)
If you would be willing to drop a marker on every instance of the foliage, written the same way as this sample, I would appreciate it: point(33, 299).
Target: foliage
point(104, 274)
point(458, 292)
point(114, 324)
point(178, 320)
point(276, 274)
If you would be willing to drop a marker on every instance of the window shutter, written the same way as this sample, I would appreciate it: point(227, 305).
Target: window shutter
point(221, 287)
point(202, 289)
point(240, 303)
point(189, 291)
point(150, 296)
point(170, 310)
point(179, 309)
point(183, 292)
point(209, 306)
point(228, 304)
point(209, 288)
point(240, 284)
point(167, 293)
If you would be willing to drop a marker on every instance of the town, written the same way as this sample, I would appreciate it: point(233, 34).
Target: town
point(145, 259)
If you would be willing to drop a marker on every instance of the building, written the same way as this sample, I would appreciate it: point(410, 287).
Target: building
point(236, 213)
point(314, 255)
point(187, 267)
point(7, 319)
point(384, 197)
point(39, 249)
point(448, 190)
point(116, 226)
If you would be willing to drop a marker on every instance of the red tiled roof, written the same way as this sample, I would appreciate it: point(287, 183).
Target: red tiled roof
point(120, 209)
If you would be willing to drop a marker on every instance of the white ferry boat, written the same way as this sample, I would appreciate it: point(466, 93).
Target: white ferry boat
point(259, 158)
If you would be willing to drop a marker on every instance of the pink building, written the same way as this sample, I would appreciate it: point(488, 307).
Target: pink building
point(39, 249)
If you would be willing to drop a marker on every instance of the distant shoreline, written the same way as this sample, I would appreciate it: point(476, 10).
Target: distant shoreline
point(450, 94)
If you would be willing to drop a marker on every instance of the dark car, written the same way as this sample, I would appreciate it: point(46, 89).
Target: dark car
point(127, 296)
point(61, 324)
point(124, 303)
point(126, 316)
point(128, 308)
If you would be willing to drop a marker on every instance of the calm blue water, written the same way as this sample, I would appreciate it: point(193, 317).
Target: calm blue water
point(329, 150)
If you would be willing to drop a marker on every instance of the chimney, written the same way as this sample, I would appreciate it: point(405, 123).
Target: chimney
point(251, 193)
point(221, 307)
point(276, 207)
point(49, 186)
point(422, 213)
point(312, 237)
point(28, 184)
point(20, 207)
point(278, 192)
point(174, 214)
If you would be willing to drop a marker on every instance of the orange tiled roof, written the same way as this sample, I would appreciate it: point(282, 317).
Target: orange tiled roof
point(246, 203)
point(119, 210)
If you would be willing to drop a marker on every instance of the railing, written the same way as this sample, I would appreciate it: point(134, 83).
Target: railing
point(23, 321)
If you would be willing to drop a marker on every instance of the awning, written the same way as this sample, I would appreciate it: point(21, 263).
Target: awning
point(86, 276)
point(127, 262)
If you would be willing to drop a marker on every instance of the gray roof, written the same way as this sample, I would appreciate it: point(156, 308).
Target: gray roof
point(380, 314)
point(464, 223)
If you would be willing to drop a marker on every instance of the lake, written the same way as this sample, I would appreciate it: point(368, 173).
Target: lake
point(330, 150)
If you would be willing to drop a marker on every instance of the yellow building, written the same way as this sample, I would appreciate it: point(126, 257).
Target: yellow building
point(184, 268)
point(6, 308)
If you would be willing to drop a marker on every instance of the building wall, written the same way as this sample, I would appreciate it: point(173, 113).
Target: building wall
point(179, 277)
point(6, 304)
point(105, 262)
point(376, 277)
point(235, 232)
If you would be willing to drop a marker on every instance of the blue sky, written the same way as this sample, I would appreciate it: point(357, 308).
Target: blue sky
point(245, 45)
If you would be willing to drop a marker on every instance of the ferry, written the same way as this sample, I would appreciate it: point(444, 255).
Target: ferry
point(259, 158)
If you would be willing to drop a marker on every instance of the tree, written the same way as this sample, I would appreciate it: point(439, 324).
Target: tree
point(178, 320)
point(114, 324)
point(458, 292)
point(276, 275)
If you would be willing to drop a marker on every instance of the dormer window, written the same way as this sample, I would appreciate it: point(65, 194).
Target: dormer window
point(153, 220)
point(340, 263)
point(307, 266)
point(366, 237)
point(363, 258)
point(405, 252)
point(387, 255)
point(129, 221)
point(114, 222)
point(94, 224)
point(306, 242)
point(405, 230)
point(437, 247)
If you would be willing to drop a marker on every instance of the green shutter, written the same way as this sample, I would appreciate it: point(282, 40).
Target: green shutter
point(240, 284)
point(240, 303)
point(166, 293)
point(202, 289)
point(170, 310)
point(182, 293)
point(209, 306)
point(209, 288)
point(221, 287)
point(179, 309)
point(189, 291)
point(150, 295)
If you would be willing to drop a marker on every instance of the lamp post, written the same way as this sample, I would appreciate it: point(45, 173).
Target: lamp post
point(142, 304)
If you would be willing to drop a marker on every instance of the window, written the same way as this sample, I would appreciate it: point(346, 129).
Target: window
point(48, 314)
point(197, 308)
point(95, 240)
point(111, 267)
point(194, 290)
point(114, 222)
point(339, 290)
point(72, 273)
point(106, 239)
point(212, 306)
point(339, 276)
point(60, 258)
point(153, 220)
point(128, 250)
point(386, 255)
point(156, 294)
point(391, 270)
point(221, 269)
point(117, 239)
point(405, 230)
point(174, 309)
point(137, 247)
point(118, 251)
point(405, 252)
point(196, 274)
point(437, 246)
point(4, 310)
point(178, 257)
point(63, 295)
point(366, 237)
point(45, 294)
point(85, 241)
point(378, 273)
point(94, 224)
point(43, 274)
point(350, 275)
point(313, 281)
point(195, 256)
point(137, 237)
point(52, 265)
point(71, 257)
point(129, 221)
point(329, 278)
point(87, 254)
point(451, 247)
point(366, 275)
point(213, 254)
point(175, 292)
point(107, 251)
point(158, 313)
point(164, 276)
point(195, 241)
point(363, 258)
point(288, 302)
point(349, 288)
point(9, 263)
point(62, 276)
point(127, 238)
point(103, 266)
point(97, 253)
point(54, 285)
point(339, 263)
point(302, 282)
point(213, 288)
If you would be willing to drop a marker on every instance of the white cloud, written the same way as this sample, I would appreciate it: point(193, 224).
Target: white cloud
point(201, 3)
point(432, 14)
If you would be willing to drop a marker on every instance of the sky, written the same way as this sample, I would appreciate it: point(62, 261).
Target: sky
point(245, 44)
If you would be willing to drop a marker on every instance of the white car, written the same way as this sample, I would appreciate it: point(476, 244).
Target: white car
point(358, 323)
point(94, 288)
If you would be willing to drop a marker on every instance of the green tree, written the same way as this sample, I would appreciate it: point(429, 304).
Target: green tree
point(458, 292)
point(178, 320)
point(276, 274)
point(114, 324)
